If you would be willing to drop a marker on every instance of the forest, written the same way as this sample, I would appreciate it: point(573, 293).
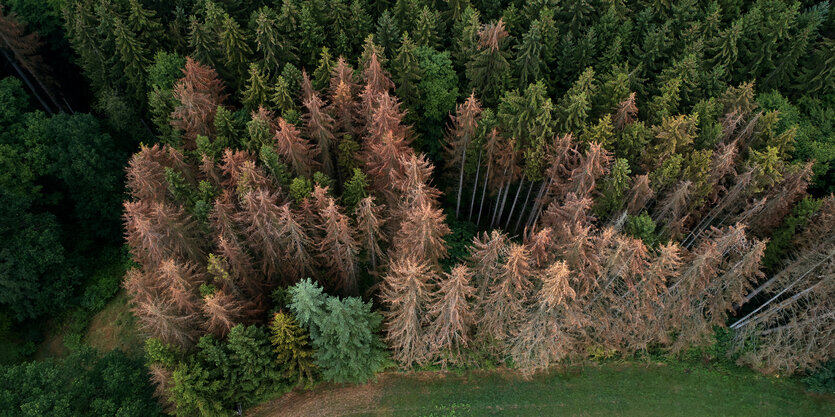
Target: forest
point(299, 191)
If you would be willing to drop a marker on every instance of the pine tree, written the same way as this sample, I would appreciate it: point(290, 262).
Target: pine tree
point(465, 32)
point(355, 189)
point(133, 54)
point(406, 293)
point(311, 35)
point(343, 333)
point(529, 64)
point(223, 312)
point(503, 309)
point(292, 348)
point(543, 337)
point(281, 96)
point(451, 316)
point(144, 23)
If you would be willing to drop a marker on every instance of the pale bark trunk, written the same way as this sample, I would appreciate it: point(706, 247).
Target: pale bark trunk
point(475, 186)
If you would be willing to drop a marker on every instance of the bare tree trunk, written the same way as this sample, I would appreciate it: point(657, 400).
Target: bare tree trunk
point(515, 199)
point(475, 186)
point(461, 180)
point(743, 320)
point(538, 203)
point(496, 206)
point(28, 82)
point(525, 204)
point(483, 193)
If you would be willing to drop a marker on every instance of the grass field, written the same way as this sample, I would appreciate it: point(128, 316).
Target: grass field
point(606, 390)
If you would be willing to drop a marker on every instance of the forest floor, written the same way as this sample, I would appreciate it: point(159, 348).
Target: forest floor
point(617, 389)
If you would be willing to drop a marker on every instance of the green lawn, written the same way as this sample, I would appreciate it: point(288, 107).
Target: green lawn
point(608, 390)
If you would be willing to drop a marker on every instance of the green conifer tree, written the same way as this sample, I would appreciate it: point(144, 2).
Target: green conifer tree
point(292, 348)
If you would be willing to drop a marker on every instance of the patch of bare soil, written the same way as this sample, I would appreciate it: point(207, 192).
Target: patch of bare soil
point(326, 400)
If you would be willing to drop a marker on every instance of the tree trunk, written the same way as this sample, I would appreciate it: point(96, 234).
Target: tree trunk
point(483, 193)
point(475, 186)
point(26, 80)
point(525, 204)
point(461, 180)
point(743, 320)
point(537, 205)
point(515, 200)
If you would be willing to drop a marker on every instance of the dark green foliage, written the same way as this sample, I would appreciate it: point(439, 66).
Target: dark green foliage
point(61, 179)
point(642, 227)
point(613, 189)
point(111, 385)
point(355, 189)
point(781, 240)
point(163, 72)
point(159, 352)
point(300, 188)
point(343, 332)
point(822, 379)
point(221, 376)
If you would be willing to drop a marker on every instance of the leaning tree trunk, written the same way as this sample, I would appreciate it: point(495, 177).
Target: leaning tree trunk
point(483, 193)
point(522, 213)
point(515, 200)
point(461, 179)
point(475, 186)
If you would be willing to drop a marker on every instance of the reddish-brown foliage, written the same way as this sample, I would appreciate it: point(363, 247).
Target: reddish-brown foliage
point(199, 93)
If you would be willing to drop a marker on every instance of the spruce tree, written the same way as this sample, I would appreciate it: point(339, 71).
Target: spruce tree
point(292, 349)
point(256, 93)
point(387, 33)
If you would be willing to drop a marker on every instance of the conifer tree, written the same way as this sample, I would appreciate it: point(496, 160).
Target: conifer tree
point(311, 35)
point(426, 30)
point(319, 128)
point(272, 45)
point(280, 95)
point(338, 249)
point(462, 131)
point(388, 32)
point(296, 151)
point(406, 73)
point(133, 54)
point(503, 309)
point(236, 50)
point(544, 335)
point(406, 292)
point(145, 24)
point(199, 92)
point(292, 348)
point(489, 71)
point(370, 228)
point(451, 316)
point(256, 92)
point(529, 63)
point(322, 74)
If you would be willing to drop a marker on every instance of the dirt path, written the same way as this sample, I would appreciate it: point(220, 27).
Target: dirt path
point(325, 400)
